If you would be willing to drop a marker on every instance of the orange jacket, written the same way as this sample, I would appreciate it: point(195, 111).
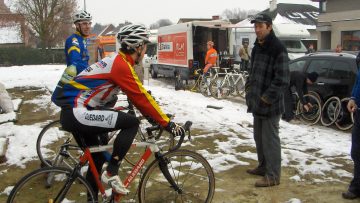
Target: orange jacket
point(211, 56)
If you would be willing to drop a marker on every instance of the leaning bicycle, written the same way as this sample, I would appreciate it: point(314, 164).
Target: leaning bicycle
point(175, 176)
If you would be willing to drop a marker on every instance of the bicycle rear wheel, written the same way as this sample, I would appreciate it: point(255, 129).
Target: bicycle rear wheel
point(33, 187)
point(345, 120)
point(191, 172)
point(49, 143)
point(330, 111)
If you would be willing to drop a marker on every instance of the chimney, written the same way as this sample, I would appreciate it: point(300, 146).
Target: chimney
point(273, 5)
point(217, 17)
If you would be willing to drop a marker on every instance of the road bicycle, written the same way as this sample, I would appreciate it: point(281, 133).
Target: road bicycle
point(57, 147)
point(175, 176)
point(233, 84)
point(203, 81)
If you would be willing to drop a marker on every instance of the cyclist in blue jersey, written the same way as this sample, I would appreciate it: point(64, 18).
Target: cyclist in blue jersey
point(77, 55)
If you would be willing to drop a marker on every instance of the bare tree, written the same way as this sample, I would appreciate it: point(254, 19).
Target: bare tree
point(50, 19)
point(238, 14)
point(161, 23)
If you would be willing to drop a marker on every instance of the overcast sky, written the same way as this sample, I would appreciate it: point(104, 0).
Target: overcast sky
point(148, 12)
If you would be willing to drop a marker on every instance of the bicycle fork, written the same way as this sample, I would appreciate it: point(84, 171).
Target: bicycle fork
point(163, 162)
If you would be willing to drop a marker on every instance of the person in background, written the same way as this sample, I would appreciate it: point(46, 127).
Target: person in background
point(6, 105)
point(76, 53)
point(211, 56)
point(338, 48)
point(310, 49)
point(268, 79)
point(353, 105)
point(245, 56)
point(300, 81)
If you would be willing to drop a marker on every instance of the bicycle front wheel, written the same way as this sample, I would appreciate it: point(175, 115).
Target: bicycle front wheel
point(49, 142)
point(190, 171)
point(35, 187)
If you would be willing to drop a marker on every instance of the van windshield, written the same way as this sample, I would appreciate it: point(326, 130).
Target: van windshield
point(294, 46)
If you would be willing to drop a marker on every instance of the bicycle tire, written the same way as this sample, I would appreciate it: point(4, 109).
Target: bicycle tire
point(48, 144)
point(330, 111)
point(32, 187)
point(345, 120)
point(313, 116)
point(205, 87)
point(240, 88)
point(191, 172)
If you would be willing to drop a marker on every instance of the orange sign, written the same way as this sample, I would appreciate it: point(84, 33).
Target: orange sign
point(172, 49)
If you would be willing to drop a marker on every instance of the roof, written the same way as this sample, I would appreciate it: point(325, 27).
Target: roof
point(185, 20)
point(108, 30)
point(333, 54)
point(304, 14)
point(299, 13)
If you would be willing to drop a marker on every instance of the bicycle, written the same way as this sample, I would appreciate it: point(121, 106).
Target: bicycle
point(178, 175)
point(203, 81)
point(233, 83)
point(56, 147)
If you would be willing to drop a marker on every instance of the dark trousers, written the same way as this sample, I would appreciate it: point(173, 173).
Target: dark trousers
point(268, 148)
point(289, 105)
point(355, 154)
point(244, 65)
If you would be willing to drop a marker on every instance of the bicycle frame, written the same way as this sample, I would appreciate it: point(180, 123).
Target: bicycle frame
point(151, 147)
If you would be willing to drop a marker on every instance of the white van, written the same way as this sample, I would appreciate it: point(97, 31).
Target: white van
point(289, 34)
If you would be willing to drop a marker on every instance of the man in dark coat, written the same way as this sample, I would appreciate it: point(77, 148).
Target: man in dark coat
point(267, 81)
point(300, 81)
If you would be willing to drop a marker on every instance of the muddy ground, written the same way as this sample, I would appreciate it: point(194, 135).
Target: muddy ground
point(233, 185)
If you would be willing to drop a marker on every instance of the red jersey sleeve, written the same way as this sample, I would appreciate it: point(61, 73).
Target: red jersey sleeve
point(124, 76)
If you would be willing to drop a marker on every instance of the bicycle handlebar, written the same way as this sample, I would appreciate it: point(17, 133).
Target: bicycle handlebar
point(186, 127)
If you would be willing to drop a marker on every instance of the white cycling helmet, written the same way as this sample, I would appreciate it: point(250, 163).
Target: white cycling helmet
point(82, 15)
point(133, 35)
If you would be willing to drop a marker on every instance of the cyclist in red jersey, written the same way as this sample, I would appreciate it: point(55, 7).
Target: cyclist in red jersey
point(84, 100)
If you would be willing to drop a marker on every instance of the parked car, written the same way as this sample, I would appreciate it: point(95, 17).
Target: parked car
point(337, 72)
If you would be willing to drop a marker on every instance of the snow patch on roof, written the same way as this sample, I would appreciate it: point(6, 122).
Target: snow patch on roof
point(10, 34)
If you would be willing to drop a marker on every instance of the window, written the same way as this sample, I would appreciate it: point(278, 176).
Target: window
point(322, 6)
point(350, 40)
point(320, 66)
point(297, 66)
point(340, 70)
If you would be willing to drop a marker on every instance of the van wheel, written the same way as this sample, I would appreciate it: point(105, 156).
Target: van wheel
point(153, 73)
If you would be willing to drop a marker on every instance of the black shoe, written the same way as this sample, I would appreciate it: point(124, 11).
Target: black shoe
point(349, 195)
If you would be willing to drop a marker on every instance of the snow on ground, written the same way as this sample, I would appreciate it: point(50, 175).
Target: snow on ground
point(309, 149)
